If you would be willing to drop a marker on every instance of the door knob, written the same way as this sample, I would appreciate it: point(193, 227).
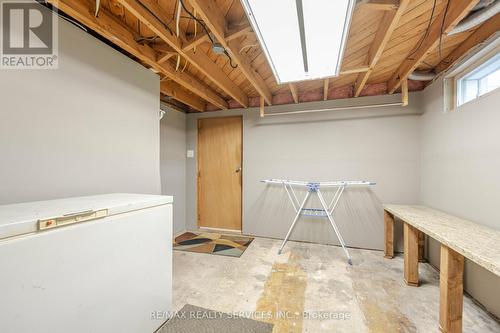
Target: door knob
point(238, 169)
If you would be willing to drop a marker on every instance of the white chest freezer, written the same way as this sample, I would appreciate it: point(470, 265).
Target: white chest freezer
point(96, 264)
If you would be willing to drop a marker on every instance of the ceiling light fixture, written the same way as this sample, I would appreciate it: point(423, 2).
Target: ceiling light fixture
point(302, 39)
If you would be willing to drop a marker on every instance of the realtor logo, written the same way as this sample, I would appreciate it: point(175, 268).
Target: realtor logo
point(28, 36)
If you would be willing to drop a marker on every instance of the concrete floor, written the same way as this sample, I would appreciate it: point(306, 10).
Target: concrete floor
point(369, 296)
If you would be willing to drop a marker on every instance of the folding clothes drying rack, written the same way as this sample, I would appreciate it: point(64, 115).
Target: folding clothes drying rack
point(325, 211)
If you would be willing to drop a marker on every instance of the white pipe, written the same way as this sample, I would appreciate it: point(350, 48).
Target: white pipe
point(335, 109)
point(422, 76)
point(476, 18)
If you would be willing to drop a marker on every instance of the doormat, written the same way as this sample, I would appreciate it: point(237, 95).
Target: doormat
point(193, 319)
point(213, 243)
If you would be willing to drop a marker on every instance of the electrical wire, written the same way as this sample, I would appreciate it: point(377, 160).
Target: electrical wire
point(207, 32)
point(164, 25)
point(64, 17)
point(441, 31)
point(426, 32)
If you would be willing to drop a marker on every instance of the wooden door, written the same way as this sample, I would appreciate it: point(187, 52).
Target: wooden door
point(219, 172)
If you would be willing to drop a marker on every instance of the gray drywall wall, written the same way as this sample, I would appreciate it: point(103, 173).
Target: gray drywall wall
point(381, 145)
point(173, 163)
point(89, 127)
point(461, 174)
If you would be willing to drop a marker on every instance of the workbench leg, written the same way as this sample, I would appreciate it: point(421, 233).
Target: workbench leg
point(410, 255)
point(388, 235)
point(421, 246)
point(451, 284)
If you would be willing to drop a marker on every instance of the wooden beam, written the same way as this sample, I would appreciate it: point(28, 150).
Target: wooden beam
point(382, 37)
point(187, 80)
point(481, 34)
point(444, 22)
point(354, 70)
point(421, 246)
point(238, 32)
point(161, 47)
point(199, 59)
point(380, 4)
point(404, 93)
point(388, 235)
point(164, 57)
point(214, 18)
point(410, 235)
point(451, 287)
point(262, 104)
point(326, 83)
point(293, 90)
point(361, 82)
point(198, 40)
point(174, 90)
point(108, 26)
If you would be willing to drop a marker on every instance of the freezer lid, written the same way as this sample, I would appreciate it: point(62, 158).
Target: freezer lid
point(23, 218)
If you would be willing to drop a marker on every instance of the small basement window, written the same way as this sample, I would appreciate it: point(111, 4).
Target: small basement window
point(479, 81)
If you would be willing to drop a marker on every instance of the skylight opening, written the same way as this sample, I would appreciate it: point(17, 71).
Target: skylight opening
point(318, 54)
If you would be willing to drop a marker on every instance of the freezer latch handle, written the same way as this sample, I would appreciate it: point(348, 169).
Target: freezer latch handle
point(71, 218)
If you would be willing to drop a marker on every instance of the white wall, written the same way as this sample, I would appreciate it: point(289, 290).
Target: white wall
point(461, 174)
point(381, 145)
point(173, 163)
point(89, 127)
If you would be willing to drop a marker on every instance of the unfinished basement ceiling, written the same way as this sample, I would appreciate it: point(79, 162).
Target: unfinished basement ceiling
point(388, 39)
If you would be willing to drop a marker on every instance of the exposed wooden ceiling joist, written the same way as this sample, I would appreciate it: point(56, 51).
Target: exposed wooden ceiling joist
point(326, 83)
point(354, 70)
point(216, 22)
point(389, 23)
point(237, 32)
point(144, 12)
point(450, 15)
point(165, 56)
point(295, 94)
point(174, 90)
point(198, 40)
point(483, 33)
point(115, 31)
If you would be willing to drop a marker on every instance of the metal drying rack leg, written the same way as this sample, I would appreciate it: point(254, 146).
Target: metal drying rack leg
point(332, 222)
point(299, 212)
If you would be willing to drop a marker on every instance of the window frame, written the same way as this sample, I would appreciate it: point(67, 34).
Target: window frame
point(470, 63)
point(458, 79)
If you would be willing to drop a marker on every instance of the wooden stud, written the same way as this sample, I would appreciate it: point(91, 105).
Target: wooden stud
point(444, 22)
point(262, 103)
point(361, 82)
point(404, 93)
point(199, 59)
point(451, 286)
point(326, 83)
point(410, 255)
point(382, 37)
point(215, 19)
point(174, 90)
point(388, 235)
point(293, 90)
point(421, 246)
point(117, 32)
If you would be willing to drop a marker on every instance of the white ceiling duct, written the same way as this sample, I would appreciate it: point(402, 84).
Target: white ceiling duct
point(422, 76)
point(490, 9)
